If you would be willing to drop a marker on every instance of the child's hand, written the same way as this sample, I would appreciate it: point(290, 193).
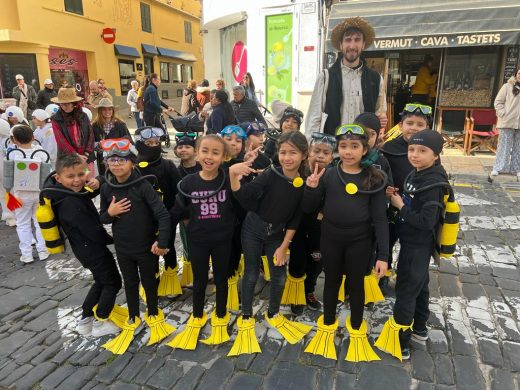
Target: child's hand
point(93, 183)
point(118, 208)
point(397, 201)
point(280, 256)
point(158, 251)
point(381, 268)
point(314, 179)
point(240, 170)
point(251, 153)
point(390, 191)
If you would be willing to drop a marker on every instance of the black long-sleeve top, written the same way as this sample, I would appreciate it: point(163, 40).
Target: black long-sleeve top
point(135, 231)
point(211, 220)
point(396, 152)
point(343, 210)
point(273, 198)
point(421, 213)
point(167, 178)
point(185, 171)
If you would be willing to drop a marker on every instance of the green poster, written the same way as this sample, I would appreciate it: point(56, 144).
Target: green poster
point(279, 57)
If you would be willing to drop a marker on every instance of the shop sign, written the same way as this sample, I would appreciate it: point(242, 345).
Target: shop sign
point(239, 61)
point(449, 40)
point(63, 59)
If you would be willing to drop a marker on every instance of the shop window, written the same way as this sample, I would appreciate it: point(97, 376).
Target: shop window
point(146, 20)
point(469, 78)
point(189, 72)
point(10, 66)
point(175, 73)
point(74, 6)
point(165, 76)
point(148, 65)
point(187, 32)
point(126, 75)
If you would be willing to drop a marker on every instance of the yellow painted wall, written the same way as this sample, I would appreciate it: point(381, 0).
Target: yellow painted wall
point(32, 26)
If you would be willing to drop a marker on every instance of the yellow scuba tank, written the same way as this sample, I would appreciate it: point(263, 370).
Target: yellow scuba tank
point(49, 227)
point(450, 227)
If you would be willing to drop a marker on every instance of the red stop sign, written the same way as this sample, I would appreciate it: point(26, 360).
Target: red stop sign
point(108, 35)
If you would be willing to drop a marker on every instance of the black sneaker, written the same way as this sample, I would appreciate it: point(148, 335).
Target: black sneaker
point(297, 310)
point(405, 353)
point(312, 302)
point(420, 335)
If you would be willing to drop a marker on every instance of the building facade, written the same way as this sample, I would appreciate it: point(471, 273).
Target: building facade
point(75, 41)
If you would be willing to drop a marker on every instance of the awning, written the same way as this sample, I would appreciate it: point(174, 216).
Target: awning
point(128, 51)
point(149, 49)
point(428, 24)
point(181, 55)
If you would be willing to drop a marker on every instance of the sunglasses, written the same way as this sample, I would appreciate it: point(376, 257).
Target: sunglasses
point(414, 107)
point(255, 127)
point(230, 130)
point(116, 143)
point(293, 111)
point(116, 160)
point(350, 129)
point(150, 132)
point(323, 138)
point(182, 135)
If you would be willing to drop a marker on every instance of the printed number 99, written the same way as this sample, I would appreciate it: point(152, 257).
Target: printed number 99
point(208, 208)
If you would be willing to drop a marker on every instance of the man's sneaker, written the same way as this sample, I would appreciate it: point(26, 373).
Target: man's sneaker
point(103, 328)
point(312, 302)
point(43, 255)
point(405, 353)
point(84, 326)
point(297, 310)
point(26, 259)
point(420, 335)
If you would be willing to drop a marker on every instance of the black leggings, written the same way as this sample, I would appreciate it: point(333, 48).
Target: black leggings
point(345, 251)
point(199, 257)
point(301, 262)
point(236, 250)
point(107, 283)
point(170, 259)
point(140, 268)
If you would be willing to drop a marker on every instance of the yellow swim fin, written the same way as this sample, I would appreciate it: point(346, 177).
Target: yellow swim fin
point(219, 332)
point(246, 341)
point(187, 339)
point(267, 271)
point(119, 344)
point(341, 292)
point(241, 266)
point(159, 328)
point(170, 284)
point(118, 315)
point(388, 340)
point(232, 298)
point(323, 341)
point(187, 273)
point(372, 291)
point(142, 294)
point(294, 291)
point(359, 349)
point(290, 330)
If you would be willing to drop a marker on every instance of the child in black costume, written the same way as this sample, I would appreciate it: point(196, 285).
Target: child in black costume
point(79, 219)
point(206, 197)
point(420, 210)
point(151, 162)
point(354, 205)
point(136, 212)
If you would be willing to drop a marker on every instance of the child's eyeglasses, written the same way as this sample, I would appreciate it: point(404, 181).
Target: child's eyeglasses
point(414, 107)
point(323, 138)
point(150, 132)
point(350, 129)
point(116, 160)
point(230, 130)
point(116, 143)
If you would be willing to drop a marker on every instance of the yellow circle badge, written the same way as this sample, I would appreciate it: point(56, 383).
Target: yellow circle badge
point(143, 164)
point(297, 182)
point(351, 188)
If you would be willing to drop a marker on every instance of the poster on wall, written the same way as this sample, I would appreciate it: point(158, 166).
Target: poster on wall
point(239, 61)
point(69, 68)
point(279, 57)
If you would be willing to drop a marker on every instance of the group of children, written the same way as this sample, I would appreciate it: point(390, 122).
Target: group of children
point(311, 204)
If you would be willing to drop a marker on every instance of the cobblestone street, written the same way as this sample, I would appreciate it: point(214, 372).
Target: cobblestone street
point(474, 338)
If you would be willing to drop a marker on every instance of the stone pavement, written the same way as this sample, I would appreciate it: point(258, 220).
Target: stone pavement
point(474, 339)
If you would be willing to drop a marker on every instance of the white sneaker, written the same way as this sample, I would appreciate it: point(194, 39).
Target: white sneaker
point(33, 241)
point(493, 173)
point(84, 326)
point(26, 259)
point(43, 255)
point(103, 328)
point(10, 222)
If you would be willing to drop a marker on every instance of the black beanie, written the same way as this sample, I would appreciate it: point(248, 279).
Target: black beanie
point(429, 138)
point(370, 120)
point(292, 113)
point(184, 140)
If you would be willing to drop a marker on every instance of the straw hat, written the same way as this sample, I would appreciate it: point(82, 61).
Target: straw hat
point(66, 95)
point(357, 22)
point(105, 102)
